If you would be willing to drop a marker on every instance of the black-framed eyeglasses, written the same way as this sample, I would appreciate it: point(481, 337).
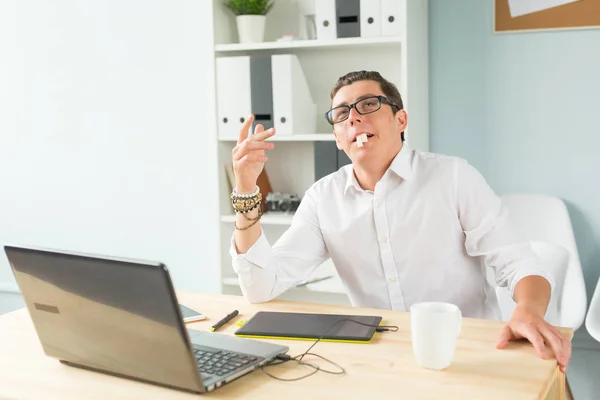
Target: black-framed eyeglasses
point(367, 105)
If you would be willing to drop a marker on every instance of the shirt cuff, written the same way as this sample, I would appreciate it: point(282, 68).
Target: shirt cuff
point(537, 270)
point(258, 254)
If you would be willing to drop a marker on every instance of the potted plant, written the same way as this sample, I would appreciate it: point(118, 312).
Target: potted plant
point(250, 18)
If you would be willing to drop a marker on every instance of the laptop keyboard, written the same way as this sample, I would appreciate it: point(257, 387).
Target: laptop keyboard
point(219, 362)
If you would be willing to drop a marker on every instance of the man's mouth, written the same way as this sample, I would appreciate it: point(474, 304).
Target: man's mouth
point(369, 135)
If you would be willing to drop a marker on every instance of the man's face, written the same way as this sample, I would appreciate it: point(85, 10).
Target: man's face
point(382, 126)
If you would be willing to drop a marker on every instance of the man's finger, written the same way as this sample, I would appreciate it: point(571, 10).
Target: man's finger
point(554, 343)
point(245, 128)
point(564, 356)
point(264, 135)
point(568, 347)
point(505, 337)
point(251, 147)
point(537, 341)
point(258, 129)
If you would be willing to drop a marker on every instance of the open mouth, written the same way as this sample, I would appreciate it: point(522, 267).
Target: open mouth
point(369, 135)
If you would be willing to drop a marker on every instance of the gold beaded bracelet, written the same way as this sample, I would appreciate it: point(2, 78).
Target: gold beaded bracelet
point(244, 205)
point(254, 221)
point(244, 202)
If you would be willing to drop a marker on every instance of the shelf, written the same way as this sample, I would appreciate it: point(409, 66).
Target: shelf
point(309, 137)
point(266, 219)
point(291, 167)
point(307, 44)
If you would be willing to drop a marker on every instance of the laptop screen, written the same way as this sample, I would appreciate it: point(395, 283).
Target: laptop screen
point(112, 315)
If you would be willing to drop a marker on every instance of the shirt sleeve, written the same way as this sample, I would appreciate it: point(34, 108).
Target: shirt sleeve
point(489, 233)
point(265, 272)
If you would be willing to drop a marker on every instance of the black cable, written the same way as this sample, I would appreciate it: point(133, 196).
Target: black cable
point(315, 367)
point(283, 358)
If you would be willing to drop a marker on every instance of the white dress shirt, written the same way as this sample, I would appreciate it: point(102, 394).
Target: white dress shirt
point(426, 233)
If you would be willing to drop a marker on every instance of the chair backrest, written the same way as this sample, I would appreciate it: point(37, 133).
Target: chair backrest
point(592, 320)
point(543, 219)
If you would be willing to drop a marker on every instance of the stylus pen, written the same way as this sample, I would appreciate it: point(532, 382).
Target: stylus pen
point(222, 322)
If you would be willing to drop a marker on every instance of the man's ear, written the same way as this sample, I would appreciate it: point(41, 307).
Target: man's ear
point(401, 121)
point(337, 141)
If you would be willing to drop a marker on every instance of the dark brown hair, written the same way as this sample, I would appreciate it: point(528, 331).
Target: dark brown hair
point(388, 88)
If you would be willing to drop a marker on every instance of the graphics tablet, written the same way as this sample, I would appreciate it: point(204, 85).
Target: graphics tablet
point(301, 326)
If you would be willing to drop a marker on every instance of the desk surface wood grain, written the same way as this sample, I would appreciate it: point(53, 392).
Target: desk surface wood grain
point(385, 367)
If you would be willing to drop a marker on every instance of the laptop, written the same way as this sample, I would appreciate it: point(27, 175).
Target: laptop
point(121, 317)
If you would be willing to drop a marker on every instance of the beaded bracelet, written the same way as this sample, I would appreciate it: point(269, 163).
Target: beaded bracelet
point(253, 220)
point(246, 204)
point(237, 195)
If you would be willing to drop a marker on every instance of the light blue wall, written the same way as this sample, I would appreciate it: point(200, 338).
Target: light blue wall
point(524, 108)
point(458, 42)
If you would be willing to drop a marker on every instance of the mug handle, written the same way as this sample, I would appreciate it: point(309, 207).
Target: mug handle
point(459, 316)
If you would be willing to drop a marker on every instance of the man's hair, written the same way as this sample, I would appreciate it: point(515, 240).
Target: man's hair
point(388, 88)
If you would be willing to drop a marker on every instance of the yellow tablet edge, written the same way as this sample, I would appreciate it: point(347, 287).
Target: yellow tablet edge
point(307, 339)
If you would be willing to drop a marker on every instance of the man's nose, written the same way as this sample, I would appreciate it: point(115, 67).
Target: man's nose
point(354, 116)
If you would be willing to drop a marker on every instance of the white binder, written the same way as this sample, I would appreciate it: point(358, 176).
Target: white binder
point(294, 110)
point(392, 17)
point(233, 94)
point(370, 18)
point(326, 19)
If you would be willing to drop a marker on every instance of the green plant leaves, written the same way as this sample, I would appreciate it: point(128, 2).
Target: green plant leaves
point(249, 7)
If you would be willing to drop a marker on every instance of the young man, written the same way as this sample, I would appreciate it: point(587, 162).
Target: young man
point(400, 225)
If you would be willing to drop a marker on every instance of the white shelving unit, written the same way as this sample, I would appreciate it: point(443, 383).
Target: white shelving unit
point(305, 137)
point(355, 43)
point(401, 59)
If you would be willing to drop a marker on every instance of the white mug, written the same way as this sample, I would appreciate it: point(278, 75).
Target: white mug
point(434, 328)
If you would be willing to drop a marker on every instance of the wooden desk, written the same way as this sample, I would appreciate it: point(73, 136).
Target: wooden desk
point(385, 367)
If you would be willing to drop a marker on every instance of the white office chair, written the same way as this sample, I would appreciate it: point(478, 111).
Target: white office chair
point(592, 321)
point(545, 221)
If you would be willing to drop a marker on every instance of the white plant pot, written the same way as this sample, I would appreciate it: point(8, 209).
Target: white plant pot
point(251, 28)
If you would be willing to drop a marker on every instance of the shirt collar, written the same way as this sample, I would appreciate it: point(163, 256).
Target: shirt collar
point(401, 165)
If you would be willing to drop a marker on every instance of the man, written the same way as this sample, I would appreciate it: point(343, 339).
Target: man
point(401, 226)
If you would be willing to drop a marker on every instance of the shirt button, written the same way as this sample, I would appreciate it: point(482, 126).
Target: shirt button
point(383, 239)
point(392, 279)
